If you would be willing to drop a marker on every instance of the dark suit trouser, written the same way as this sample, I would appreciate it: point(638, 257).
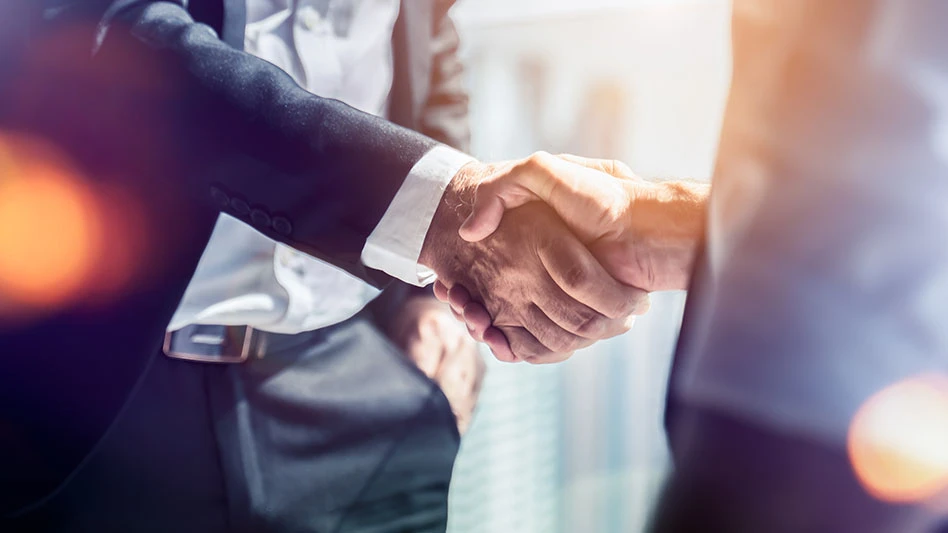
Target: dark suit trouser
point(334, 430)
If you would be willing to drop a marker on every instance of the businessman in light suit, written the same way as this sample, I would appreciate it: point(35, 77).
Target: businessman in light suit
point(821, 277)
point(823, 274)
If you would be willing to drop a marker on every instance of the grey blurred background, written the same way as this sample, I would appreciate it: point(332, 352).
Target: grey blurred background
point(579, 447)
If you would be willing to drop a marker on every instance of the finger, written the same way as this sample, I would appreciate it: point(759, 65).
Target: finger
point(575, 317)
point(461, 378)
point(480, 370)
point(550, 335)
point(426, 353)
point(580, 319)
point(527, 348)
point(458, 297)
point(499, 345)
point(459, 317)
point(456, 374)
point(580, 276)
point(486, 213)
point(613, 167)
point(477, 319)
point(440, 290)
point(640, 304)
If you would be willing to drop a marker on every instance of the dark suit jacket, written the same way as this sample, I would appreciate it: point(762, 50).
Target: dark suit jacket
point(823, 275)
point(156, 98)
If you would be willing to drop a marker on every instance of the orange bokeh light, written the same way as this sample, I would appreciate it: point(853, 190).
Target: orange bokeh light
point(898, 441)
point(50, 227)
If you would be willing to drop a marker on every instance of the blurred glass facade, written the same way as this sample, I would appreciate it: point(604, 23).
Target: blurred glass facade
point(579, 447)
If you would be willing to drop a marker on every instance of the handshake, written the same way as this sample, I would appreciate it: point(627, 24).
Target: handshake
point(574, 259)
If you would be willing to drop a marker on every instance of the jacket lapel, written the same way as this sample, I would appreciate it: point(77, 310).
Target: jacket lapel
point(411, 40)
point(227, 17)
point(234, 23)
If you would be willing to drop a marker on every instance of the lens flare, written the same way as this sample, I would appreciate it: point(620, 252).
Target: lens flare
point(898, 441)
point(49, 235)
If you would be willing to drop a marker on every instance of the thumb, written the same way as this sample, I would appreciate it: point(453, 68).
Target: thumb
point(486, 214)
point(491, 199)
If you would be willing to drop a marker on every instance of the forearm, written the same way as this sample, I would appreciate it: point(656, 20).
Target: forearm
point(670, 213)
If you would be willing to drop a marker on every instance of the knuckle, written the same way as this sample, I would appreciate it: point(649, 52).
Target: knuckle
point(555, 358)
point(640, 304)
point(620, 326)
point(539, 163)
point(560, 342)
point(539, 158)
point(549, 334)
point(576, 277)
point(531, 355)
point(591, 325)
point(522, 344)
point(575, 318)
point(622, 307)
point(544, 243)
point(620, 169)
point(636, 303)
point(532, 351)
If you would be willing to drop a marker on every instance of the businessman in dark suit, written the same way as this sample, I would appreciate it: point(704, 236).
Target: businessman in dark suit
point(156, 99)
point(290, 310)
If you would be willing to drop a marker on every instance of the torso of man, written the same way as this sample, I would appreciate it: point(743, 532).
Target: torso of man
point(338, 49)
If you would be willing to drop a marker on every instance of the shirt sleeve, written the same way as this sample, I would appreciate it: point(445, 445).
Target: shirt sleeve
point(395, 244)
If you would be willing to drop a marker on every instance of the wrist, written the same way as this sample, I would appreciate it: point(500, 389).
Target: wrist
point(668, 213)
point(664, 223)
point(453, 208)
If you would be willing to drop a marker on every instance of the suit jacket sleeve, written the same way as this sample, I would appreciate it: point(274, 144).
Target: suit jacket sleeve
point(154, 107)
point(245, 139)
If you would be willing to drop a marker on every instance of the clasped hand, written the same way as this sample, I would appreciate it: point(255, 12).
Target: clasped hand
point(546, 255)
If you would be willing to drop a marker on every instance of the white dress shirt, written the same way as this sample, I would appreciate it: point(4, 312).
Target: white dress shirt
point(338, 49)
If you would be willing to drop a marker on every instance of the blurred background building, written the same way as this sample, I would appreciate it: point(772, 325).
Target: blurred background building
point(579, 447)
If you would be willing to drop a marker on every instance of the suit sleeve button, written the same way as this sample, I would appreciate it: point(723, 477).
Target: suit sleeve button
point(220, 197)
point(239, 206)
point(260, 218)
point(282, 226)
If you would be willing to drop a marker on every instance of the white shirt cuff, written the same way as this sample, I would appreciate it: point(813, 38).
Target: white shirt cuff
point(395, 243)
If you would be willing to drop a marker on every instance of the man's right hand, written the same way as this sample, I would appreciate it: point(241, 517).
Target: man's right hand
point(543, 289)
point(644, 232)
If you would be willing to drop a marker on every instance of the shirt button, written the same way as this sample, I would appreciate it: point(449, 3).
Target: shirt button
point(285, 257)
point(282, 226)
point(239, 206)
point(220, 197)
point(260, 218)
point(309, 18)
